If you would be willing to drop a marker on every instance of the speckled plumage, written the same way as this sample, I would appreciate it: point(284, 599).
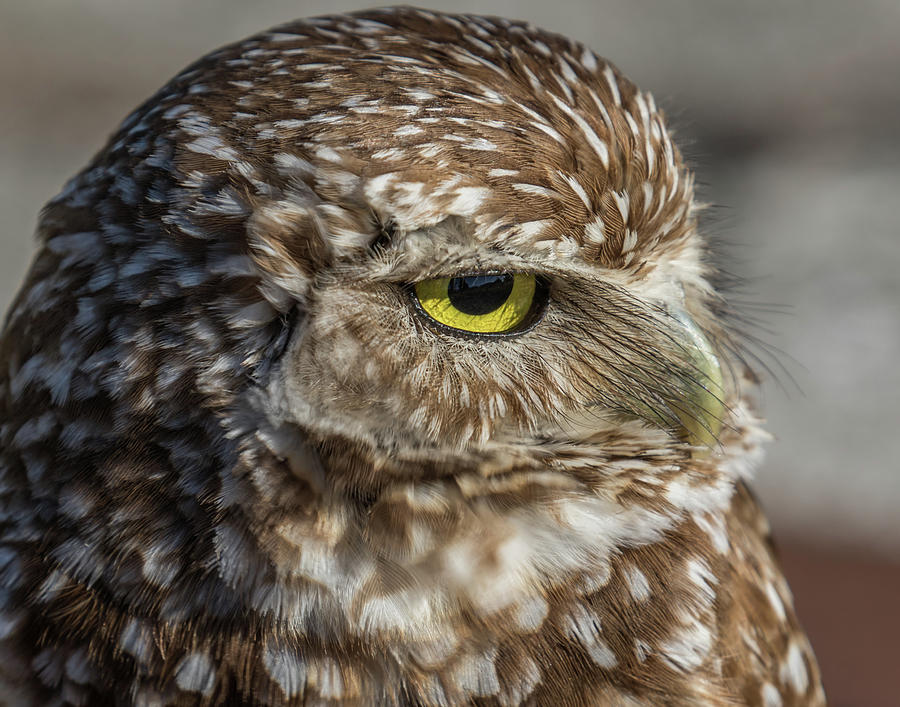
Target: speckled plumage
point(236, 465)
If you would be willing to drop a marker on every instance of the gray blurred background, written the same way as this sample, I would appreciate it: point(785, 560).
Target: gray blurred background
point(790, 114)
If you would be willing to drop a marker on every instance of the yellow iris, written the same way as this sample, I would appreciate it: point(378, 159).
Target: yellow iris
point(481, 303)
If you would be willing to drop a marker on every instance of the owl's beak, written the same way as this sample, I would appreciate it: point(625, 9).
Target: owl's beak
point(692, 390)
point(702, 412)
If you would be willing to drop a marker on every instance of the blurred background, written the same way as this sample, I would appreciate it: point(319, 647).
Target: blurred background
point(790, 113)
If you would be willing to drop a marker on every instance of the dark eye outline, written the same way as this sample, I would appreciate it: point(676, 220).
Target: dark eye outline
point(535, 313)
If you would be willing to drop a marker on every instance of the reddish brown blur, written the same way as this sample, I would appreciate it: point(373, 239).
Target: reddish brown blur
point(850, 607)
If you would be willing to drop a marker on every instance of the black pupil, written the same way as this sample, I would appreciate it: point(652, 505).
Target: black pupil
point(479, 294)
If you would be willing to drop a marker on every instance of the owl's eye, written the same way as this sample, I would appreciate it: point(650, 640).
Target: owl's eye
point(483, 303)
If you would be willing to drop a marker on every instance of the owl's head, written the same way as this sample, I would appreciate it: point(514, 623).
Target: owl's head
point(489, 232)
point(426, 238)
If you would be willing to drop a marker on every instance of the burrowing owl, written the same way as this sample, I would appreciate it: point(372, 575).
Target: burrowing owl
point(373, 361)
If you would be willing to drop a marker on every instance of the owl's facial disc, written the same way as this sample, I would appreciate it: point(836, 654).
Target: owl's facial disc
point(452, 346)
point(485, 304)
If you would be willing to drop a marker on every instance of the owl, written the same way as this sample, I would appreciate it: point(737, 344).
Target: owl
point(376, 360)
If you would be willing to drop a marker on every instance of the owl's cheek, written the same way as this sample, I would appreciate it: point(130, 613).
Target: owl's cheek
point(343, 367)
point(395, 392)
